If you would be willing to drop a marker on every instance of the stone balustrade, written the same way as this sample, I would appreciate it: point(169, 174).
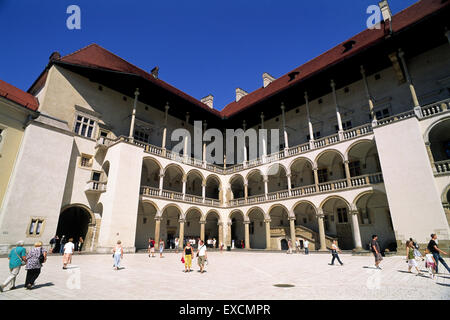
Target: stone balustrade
point(95, 186)
point(435, 108)
point(442, 166)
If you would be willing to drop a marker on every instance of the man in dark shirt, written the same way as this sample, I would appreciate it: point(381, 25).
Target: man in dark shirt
point(375, 248)
point(432, 246)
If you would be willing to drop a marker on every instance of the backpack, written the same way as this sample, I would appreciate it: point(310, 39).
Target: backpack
point(370, 246)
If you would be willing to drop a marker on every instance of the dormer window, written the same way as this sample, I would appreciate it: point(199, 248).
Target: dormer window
point(348, 45)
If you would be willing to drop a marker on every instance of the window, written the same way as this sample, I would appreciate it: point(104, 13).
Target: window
point(323, 175)
point(84, 126)
point(144, 221)
point(103, 133)
point(141, 136)
point(342, 215)
point(96, 175)
point(346, 125)
point(36, 227)
point(365, 217)
point(86, 160)
point(380, 114)
point(355, 168)
point(316, 136)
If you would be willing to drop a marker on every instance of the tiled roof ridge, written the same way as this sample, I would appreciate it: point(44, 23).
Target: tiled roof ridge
point(18, 96)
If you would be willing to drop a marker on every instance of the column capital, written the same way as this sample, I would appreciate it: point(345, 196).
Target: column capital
point(262, 116)
point(353, 212)
point(158, 218)
point(166, 107)
point(290, 218)
point(333, 84)
point(267, 220)
point(282, 106)
point(265, 178)
point(401, 53)
point(306, 95)
point(184, 179)
point(182, 220)
point(161, 175)
point(246, 222)
point(204, 183)
point(362, 70)
point(136, 93)
point(320, 213)
point(202, 221)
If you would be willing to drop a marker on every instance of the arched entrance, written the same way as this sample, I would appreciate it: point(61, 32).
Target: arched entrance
point(212, 226)
point(75, 221)
point(257, 229)
point(237, 229)
point(145, 225)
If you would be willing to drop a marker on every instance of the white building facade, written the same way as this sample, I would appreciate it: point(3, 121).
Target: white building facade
point(365, 149)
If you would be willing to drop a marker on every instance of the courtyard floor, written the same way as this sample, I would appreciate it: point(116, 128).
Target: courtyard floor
point(230, 275)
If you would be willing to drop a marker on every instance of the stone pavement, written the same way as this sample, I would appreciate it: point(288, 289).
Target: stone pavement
point(230, 275)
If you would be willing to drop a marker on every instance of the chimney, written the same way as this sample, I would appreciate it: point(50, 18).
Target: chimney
point(54, 56)
point(155, 72)
point(208, 100)
point(240, 94)
point(267, 79)
point(386, 13)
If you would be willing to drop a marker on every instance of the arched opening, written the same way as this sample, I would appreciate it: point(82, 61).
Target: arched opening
point(374, 218)
point(277, 179)
point(212, 227)
point(330, 165)
point(150, 173)
point(255, 183)
point(212, 187)
point(237, 229)
point(194, 183)
point(257, 229)
point(74, 222)
point(145, 226)
point(173, 178)
point(363, 159)
point(305, 216)
point(192, 225)
point(237, 187)
point(302, 173)
point(337, 221)
point(170, 225)
point(439, 138)
point(279, 226)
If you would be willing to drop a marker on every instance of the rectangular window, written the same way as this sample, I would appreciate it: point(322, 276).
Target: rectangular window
point(355, 168)
point(84, 126)
point(86, 160)
point(35, 227)
point(323, 175)
point(316, 136)
point(141, 136)
point(96, 176)
point(346, 125)
point(384, 113)
point(342, 215)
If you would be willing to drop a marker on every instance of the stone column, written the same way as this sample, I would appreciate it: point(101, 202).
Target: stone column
point(157, 231)
point(264, 139)
point(338, 113)
point(133, 115)
point(347, 173)
point(368, 96)
point(310, 126)
point(283, 117)
point(204, 145)
point(267, 221)
point(316, 178)
point(244, 127)
point(181, 233)
point(246, 191)
point(266, 185)
point(292, 229)
point(320, 217)
point(184, 180)
point(228, 242)
point(288, 176)
point(355, 227)
point(220, 225)
point(417, 109)
point(202, 230)
point(163, 143)
point(161, 181)
point(204, 190)
point(247, 234)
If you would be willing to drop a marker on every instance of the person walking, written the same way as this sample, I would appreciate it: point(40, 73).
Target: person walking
point(221, 247)
point(80, 244)
point(297, 246)
point(57, 244)
point(289, 251)
point(52, 243)
point(435, 251)
point(62, 243)
point(375, 248)
point(187, 255)
point(417, 253)
point(151, 247)
point(306, 246)
point(202, 256)
point(214, 243)
point(411, 258)
point(68, 252)
point(334, 253)
point(35, 258)
point(430, 263)
point(177, 243)
point(117, 254)
point(17, 258)
point(161, 248)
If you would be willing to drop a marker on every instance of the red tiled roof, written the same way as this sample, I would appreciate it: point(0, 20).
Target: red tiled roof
point(362, 40)
point(95, 56)
point(16, 95)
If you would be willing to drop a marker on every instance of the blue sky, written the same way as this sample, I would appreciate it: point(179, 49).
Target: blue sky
point(201, 46)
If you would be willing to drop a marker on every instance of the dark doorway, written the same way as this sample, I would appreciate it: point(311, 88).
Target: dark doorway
point(284, 244)
point(73, 223)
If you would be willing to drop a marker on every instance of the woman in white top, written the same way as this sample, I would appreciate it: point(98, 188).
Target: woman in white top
point(117, 254)
point(68, 252)
point(334, 252)
point(177, 243)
